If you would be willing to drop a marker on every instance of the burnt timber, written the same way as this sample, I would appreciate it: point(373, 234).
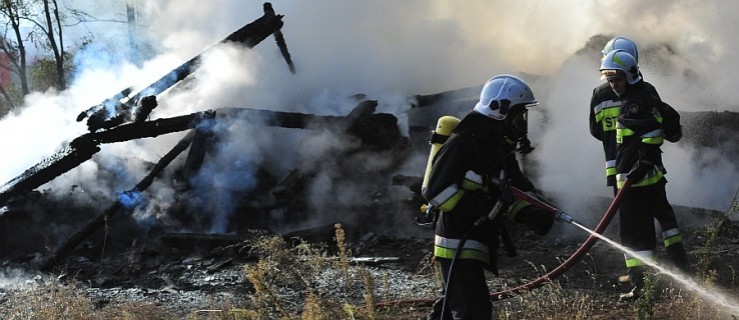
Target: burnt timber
point(84, 147)
point(249, 35)
point(362, 123)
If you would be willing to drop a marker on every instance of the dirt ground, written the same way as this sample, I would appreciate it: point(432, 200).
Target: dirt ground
point(204, 278)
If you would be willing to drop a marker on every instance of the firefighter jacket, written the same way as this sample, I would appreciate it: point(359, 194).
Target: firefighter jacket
point(604, 110)
point(639, 135)
point(460, 187)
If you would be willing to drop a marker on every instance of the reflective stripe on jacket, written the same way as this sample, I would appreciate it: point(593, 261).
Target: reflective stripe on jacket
point(472, 249)
point(448, 198)
point(654, 175)
point(604, 110)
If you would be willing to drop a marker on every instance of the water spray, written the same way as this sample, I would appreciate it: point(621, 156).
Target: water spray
point(688, 283)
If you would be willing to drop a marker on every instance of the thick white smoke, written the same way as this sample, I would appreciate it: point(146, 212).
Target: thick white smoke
point(390, 50)
point(691, 67)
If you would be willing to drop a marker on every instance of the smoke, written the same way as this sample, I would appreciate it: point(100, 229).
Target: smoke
point(692, 69)
point(14, 278)
point(388, 51)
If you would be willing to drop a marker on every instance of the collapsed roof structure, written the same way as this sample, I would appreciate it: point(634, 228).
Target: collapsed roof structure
point(125, 117)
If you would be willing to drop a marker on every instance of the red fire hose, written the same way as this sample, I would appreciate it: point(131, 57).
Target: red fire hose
point(556, 272)
point(575, 257)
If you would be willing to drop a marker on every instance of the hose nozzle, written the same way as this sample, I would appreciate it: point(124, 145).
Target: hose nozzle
point(561, 216)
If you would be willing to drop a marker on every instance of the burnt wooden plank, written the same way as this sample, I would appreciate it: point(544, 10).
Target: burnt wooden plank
point(249, 35)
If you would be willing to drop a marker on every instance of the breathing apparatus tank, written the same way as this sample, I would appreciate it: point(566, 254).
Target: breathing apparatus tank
point(444, 127)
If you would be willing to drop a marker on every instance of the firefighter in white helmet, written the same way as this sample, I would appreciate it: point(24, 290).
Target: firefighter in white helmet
point(463, 186)
point(622, 43)
point(604, 107)
point(639, 136)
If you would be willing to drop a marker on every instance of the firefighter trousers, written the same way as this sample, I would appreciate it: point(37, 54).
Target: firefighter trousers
point(640, 206)
point(468, 296)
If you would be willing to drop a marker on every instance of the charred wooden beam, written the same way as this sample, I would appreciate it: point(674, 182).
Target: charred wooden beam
point(249, 35)
point(292, 120)
point(377, 132)
point(148, 129)
point(196, 155)
point(79, 151)
point(280, 39)
point(84, 147)
point(207, 241)
point(363, 109)
point(107, 104)
point(118, 205)
point(146, 105)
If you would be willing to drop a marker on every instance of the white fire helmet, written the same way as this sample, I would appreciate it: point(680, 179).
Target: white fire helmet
point(622, 43)
point(620, 60)
point(502, 92)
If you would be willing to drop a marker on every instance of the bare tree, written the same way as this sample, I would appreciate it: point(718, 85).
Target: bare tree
point(48, 21)
point(52, 34)
point(46, 24)
point(14, 12)
point(53, 31)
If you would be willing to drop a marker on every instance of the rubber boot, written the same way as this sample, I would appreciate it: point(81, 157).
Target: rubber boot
point(636, 278)
point(622, 283)
point(679, 259)
point(436, 311)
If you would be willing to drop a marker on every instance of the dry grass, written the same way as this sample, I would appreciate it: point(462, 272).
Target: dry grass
point(55, 301)
point(304, 282)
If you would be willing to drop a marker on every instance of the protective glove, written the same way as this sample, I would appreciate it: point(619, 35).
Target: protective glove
point(640, 169)
point(524, 145)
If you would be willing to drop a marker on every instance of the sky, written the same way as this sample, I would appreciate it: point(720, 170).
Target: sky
point(388, 50)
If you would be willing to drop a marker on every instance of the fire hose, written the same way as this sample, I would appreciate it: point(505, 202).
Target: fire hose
point(554, 273)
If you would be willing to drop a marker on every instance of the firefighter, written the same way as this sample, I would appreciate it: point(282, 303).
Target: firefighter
point(639, 136)
point(604, 108)
point(464, 185)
